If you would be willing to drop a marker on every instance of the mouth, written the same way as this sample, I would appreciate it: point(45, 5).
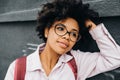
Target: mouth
point(63, 44)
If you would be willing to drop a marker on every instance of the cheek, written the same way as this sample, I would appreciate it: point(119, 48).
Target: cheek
point(72, 44)
point(52, 37)
point(70, 47)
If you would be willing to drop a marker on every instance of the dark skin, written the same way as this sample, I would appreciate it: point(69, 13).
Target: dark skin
point(50, 57)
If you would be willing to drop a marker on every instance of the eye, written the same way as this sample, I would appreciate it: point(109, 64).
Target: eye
point(60, 28)
point(74, 34)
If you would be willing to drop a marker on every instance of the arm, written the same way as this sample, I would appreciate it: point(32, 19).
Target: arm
point(109, 55)
point(90, 24)
point(10, 72)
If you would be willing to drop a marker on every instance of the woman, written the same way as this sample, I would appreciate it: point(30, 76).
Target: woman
point(61, 24)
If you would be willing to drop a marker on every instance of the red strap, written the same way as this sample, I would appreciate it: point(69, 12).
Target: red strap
point(73, 66)
point(20, 68)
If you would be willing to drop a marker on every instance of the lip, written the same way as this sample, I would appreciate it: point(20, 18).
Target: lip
point(63, 44)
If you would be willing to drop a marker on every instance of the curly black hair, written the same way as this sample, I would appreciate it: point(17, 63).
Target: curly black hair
point(62, 9)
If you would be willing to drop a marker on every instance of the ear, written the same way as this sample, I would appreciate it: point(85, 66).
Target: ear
point(46, 32)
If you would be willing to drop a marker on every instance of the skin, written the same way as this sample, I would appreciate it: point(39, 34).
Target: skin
point(57, 45)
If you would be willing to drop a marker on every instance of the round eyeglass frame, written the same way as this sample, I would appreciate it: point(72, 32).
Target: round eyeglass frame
point(78, 38)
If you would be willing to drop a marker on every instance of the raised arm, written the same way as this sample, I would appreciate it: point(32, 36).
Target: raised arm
point(109, 55)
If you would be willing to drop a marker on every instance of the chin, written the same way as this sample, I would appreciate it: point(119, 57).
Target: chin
point(61, 52)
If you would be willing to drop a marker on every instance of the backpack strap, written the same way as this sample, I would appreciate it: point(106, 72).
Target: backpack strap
point(20, 68)
point(73, 66)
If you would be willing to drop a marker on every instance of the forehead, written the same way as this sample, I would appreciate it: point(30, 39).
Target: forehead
point(70, 23)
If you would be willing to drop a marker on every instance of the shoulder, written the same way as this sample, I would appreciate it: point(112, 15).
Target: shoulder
point(10, 71)
point(78, 53)
point(81, 56)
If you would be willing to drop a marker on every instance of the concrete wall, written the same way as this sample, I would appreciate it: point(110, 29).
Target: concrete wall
point(15, 38)
point(18, 23)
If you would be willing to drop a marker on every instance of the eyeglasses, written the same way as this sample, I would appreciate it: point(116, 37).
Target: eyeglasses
point(60, 29)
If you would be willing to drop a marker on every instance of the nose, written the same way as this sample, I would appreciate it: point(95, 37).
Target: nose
point(67, 36)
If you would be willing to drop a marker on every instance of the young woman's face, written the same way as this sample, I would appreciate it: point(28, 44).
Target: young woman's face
point(62, 35)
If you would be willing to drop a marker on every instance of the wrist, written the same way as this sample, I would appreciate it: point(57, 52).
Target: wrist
point(90, 25)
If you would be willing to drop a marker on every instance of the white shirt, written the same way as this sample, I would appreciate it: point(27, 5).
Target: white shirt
point(88, 64)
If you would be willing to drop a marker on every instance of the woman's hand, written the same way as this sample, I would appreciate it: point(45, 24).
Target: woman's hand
point(89, 24)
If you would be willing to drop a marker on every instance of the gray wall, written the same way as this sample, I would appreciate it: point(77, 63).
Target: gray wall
point(15, 38)
point(18, 23)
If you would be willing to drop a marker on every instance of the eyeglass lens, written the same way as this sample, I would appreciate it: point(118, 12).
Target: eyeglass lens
point(60, 29)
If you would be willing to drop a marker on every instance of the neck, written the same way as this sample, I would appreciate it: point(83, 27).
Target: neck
point(48, 59)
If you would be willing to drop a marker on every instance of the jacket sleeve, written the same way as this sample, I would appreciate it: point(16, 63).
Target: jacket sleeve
point(10, 72)
point(90, 64)
point(109, 56)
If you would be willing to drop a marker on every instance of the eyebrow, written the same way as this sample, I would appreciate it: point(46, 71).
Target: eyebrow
point(75, 30)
